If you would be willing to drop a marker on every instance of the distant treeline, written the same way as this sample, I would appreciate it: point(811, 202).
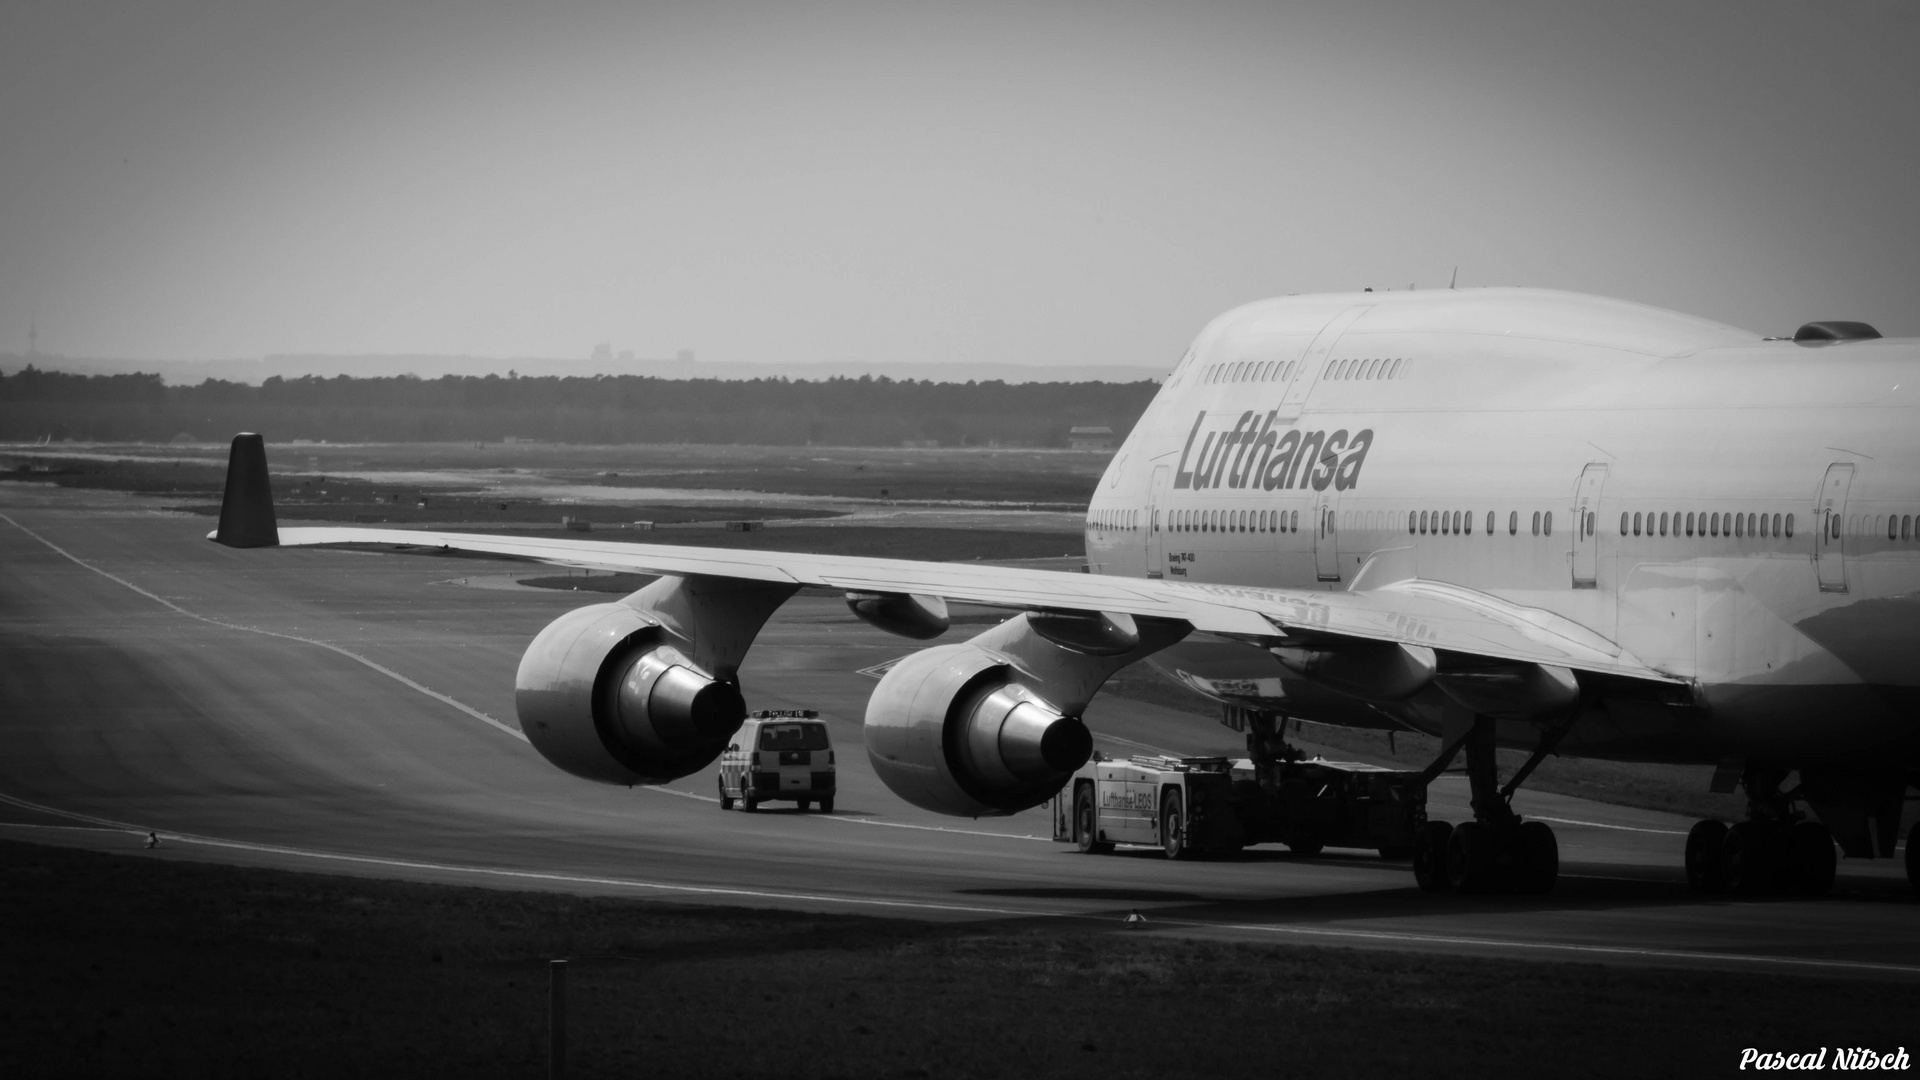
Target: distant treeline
point(606, 409)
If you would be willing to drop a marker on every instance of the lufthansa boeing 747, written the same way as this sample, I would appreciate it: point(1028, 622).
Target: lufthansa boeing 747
point(1502, 517)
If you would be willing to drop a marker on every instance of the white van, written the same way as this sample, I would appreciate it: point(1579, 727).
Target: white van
point(779, 754)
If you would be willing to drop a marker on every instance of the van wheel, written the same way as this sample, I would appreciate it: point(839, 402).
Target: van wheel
point(749, 803)
point(826, 805)
point(805, 805)
point(1084, 823)
point(726, 800)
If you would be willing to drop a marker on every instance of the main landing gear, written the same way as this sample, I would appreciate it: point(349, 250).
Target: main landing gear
point(1497, 851)
point(1775, 850)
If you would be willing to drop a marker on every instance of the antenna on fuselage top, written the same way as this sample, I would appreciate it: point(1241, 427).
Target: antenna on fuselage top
point(1455, 279)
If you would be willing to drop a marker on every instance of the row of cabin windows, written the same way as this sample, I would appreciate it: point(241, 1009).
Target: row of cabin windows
point(1252, 371)
point(1365, 369)
point(1461, 522)
point(1277, 371)
point(1286, 521)
point(1700, 524)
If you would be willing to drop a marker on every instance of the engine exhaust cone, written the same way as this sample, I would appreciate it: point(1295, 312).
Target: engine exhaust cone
point(689, 709)
point(1066, 745)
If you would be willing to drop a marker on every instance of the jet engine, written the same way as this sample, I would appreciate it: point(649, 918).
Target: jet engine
point(644, 690)
point(992, 726)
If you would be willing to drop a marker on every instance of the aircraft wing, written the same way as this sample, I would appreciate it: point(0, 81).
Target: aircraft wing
point(1412, 612)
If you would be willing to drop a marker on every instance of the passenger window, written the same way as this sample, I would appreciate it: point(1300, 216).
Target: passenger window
point(1591, 522)
point(1763, 526)
point(1714, 526)
point(1893, 527)
point(1513, 523)
point(1636, 525)
point(1458, 525)
point(1739, 525)
point(1547, 529)
point(1423, 521)
point(1536, 523)
point(1906, 526)
point(1394, 372)
point(1288, 373)
point(1776, 526)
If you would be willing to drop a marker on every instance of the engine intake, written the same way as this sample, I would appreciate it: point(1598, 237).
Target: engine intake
point(605, 695)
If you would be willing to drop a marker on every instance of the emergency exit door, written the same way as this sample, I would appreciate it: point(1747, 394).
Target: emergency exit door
point(1830, 528)
point(1586, 525)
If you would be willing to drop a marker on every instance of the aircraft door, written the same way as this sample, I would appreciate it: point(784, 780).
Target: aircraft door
point(1326, 536)
point(1586, 525)
point(1156, 503)
point(1830, 526)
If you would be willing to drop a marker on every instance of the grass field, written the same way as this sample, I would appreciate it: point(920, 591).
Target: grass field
point(138, 966)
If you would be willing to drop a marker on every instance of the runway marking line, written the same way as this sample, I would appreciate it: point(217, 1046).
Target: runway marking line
point(1318, 933)
point(210, 621)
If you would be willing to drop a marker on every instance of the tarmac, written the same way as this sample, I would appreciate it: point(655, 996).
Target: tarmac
point(352, 713)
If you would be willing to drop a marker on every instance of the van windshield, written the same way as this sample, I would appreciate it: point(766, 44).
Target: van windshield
point(793, 737)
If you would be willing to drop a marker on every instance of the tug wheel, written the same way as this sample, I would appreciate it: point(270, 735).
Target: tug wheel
point(1706, 857)
point(1173, 827)
point(1430, 856)
point(1084, 823)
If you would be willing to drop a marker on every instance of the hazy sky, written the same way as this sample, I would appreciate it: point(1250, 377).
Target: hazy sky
point(1027, 182)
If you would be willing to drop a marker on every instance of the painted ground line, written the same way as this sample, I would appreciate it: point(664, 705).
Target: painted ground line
point(844, 820)
point(210, 621)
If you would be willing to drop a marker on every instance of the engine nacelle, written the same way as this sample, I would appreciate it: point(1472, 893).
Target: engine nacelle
point(992, 726)
point(605, 693)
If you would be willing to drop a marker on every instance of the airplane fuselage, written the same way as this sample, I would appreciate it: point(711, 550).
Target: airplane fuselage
point(1736, 512)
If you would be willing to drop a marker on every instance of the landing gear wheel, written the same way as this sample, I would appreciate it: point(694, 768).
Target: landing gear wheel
point(726, 800)
point(1470, 858)
point(1536, 858)
point(826, 804)
point(805, 805)
point(1430, 856)
point(749, 802)
point(1707, 858)
point(1173, 827)
point(1913, 857)
point(1745, 855)
point(1306, 845)
point(1083, 824)
point(1809, 862)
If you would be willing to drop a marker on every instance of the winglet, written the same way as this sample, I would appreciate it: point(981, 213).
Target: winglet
point(246, 510)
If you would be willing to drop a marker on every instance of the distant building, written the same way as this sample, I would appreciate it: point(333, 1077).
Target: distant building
point(1093, 437)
